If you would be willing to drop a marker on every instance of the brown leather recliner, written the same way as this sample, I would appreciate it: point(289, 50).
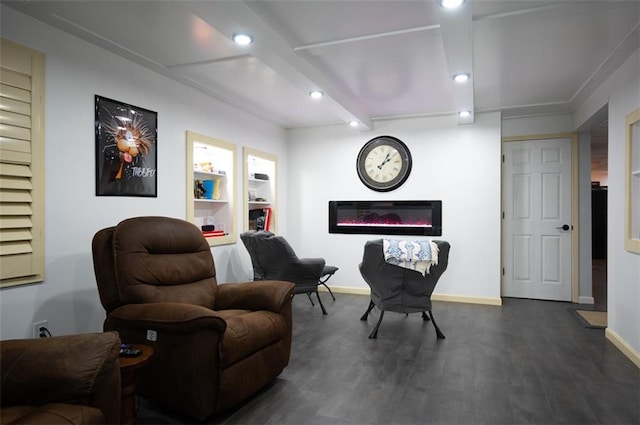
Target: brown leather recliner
point(214, 345)
point(71, 379)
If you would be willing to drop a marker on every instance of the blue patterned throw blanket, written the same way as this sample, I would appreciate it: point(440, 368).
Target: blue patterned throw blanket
point(417, 255)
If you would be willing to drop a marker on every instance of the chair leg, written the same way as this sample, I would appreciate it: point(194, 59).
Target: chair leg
point(320, 302)
point(366, 313)
point(439, 333)
point(309, 295)
point(374, 333)
point(329, 289)
point(323, 281)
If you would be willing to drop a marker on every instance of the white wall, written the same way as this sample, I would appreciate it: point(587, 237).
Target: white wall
point(459, 165)
point(622, 92)
point(75, 72)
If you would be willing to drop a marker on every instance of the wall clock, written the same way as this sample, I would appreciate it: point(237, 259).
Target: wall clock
point(384, 163)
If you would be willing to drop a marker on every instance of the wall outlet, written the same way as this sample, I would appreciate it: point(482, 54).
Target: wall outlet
point(37, 326)
point(152, 335)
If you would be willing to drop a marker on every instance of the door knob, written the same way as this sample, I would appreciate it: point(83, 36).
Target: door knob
point(565, 227)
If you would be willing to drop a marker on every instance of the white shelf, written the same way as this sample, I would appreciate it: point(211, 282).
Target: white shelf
point(259, 203)
point(208, 173)
point(214, 201)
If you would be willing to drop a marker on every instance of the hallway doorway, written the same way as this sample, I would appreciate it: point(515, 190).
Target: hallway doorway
point(599, 192)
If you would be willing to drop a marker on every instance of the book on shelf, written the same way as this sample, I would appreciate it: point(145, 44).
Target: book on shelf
point(267, 219)
point(210, 233)
point(216, 189)
point(260, 219)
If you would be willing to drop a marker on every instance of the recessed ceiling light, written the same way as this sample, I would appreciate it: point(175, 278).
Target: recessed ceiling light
point(461, 78)
point(353, 123)
point(451, 4)
point(242, 39)
point(464, 114)
point(316, 94)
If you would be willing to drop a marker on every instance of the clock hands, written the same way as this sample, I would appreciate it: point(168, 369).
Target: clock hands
point(387, 159)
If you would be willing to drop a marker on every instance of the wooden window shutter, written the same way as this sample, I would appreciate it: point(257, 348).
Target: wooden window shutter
point(21, 165)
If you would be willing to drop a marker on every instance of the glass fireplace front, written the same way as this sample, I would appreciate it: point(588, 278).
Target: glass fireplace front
point(414, 218)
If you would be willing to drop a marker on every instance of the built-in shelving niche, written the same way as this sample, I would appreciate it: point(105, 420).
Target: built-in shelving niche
point(259, 190)
point(211, 187)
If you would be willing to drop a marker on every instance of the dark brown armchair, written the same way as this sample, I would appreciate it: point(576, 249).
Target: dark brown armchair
point(71, 379)
point(214, 345)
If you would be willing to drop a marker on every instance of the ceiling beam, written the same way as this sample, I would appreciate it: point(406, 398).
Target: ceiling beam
point(272, 50)
point(456, 32)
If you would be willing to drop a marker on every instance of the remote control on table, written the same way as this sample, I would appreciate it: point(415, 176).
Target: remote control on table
point(130, 352)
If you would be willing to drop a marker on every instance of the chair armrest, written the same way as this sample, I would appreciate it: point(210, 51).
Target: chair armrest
point(73, 369)
point(269, 295)
point(304, 269)
point(167, 317)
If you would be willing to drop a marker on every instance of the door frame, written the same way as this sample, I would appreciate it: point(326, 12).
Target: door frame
point(575, 205)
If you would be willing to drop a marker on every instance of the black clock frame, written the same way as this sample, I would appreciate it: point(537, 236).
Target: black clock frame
point(404, 153)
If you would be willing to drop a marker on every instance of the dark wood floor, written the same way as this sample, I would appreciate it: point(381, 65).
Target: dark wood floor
point(526, 362)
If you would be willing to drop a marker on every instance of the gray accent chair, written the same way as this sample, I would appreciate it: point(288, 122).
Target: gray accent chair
point(273, 258)
point(397, 289)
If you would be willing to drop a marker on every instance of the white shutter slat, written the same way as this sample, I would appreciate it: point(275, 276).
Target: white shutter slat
point(15, 170)
point(18, 146)
point(15, 79)
point(15, 195)
point(15, 106)
point(15, 132)
point(15, 183)
point(15, 222)
point(8, 156)
point(15, 235)
point(15, 93)
point(15, 209)
point(12, 248)
point(17, 120)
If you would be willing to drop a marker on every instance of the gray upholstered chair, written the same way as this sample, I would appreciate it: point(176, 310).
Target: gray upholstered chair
point(398, 289)
point(214, 345)
point(273, 258)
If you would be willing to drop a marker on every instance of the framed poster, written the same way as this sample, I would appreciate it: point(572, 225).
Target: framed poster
point(126, 149)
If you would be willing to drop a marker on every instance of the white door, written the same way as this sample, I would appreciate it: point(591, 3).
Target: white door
point(537, 241)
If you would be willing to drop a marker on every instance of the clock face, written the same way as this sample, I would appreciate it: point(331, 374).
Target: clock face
point(384, 163)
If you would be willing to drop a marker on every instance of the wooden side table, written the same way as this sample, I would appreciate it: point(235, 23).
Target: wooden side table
point(128, 366)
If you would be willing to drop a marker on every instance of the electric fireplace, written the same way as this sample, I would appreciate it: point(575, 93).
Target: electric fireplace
point(412, 218)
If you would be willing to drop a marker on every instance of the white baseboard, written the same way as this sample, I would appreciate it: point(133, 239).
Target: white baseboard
point(346, 290)
point(623, 346)
point(467, 299)
point(434, 297)
point(586, 300)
